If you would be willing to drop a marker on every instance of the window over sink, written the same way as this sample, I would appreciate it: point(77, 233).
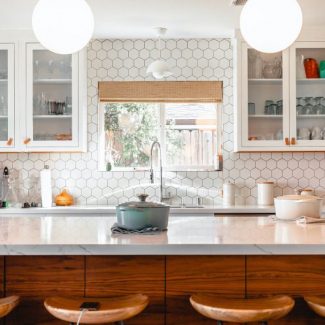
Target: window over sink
point(189, 134)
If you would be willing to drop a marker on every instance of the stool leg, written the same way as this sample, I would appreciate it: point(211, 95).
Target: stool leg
point(264, 323)
point(119, 323)
point(219, 322)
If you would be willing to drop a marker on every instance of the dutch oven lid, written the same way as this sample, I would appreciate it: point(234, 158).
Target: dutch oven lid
point(298, 198)
point(142, 203)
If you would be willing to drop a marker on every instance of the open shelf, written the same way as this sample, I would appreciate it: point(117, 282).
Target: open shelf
point(51, 116)
point(281, 116)
point(312, 116)
point(312, 81)
point(264, 81)
point(53, 81)
point(266, 116)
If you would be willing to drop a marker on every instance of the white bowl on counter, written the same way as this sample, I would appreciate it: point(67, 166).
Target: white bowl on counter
point(291, 207)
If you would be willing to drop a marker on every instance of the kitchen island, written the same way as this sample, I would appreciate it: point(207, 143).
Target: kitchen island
point(203, 235)
point(228, 256)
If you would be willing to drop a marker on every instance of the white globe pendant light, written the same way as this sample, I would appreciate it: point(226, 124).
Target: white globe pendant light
point(271, 25)
point(159, 68)
point(63, 26)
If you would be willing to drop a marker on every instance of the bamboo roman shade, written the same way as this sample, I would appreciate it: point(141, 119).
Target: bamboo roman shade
point(161, 91)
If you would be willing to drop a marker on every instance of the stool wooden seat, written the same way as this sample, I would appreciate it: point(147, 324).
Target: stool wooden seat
point(7, 305)
point(111, 310)
point(242, 310)
point(317, 304)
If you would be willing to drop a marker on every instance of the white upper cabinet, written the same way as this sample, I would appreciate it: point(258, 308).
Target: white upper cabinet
point(43, 105)
point(278, 107)
point(7, 97)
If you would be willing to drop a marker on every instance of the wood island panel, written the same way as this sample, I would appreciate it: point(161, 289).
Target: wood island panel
point(292, 275)
point(35, 278)
point(185, 275)
point(108, 276)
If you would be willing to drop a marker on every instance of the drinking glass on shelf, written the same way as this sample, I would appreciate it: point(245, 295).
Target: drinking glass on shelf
point(3, 106)
point(68, 105)
point(36, 69)
point(322, 103)
point(318, 108)
point(258, 66)
point(309, 107)
point(43, 104)
point(267, 107)
point(279, 109)
point(251, 64)
point(51, 66)
point(251, 108)
point(273, 109)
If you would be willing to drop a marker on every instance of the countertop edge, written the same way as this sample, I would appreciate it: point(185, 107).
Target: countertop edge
point(162, 250)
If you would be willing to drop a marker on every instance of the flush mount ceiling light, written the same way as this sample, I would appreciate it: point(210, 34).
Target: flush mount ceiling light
point(159, 68)
point(62, 26)
point(271, 25)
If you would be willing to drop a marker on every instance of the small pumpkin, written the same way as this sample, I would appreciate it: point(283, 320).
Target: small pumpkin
point(64, 198)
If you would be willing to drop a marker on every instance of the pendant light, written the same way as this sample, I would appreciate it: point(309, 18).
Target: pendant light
point(63, 26)
point(159, 68)
point(271, 25)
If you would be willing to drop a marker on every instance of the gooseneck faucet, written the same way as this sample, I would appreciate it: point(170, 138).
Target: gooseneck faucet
point(156, 143)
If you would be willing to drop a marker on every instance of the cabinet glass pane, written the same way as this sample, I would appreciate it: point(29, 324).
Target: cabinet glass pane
point(52, 96)
point(310, 103)
point(3, 95)
point(265, 96)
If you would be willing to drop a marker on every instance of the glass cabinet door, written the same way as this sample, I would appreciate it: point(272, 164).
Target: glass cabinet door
point(308, 93)
point(7, 91)
point(265, 102)
point(52, 96)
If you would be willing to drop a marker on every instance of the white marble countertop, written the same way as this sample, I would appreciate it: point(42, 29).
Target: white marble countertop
point(102, 210)
point(221, 235)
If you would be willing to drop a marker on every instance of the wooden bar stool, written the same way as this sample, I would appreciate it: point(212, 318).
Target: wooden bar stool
point(242, 310)
point(111, 310)
point(317, 304)
point(7, 305)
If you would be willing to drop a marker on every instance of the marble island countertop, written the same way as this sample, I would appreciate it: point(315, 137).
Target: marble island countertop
point(110, 210)
point(200, 235)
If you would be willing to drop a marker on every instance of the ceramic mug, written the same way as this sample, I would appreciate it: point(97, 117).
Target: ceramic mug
point(323, 134)
point(304, 134)
point(316, 133)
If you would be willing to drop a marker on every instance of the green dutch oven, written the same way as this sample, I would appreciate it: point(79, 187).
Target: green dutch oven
point(137, 215)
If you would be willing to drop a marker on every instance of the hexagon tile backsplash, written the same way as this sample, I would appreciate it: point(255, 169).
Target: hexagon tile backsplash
point(194, 59)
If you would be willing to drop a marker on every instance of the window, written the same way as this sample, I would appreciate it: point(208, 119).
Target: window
point(188, 135)
point(182, 115)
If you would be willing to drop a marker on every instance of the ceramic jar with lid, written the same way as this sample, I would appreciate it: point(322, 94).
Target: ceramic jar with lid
point(228, 193)
point(265, 193)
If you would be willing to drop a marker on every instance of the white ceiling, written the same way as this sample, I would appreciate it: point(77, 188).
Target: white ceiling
point(135, 18)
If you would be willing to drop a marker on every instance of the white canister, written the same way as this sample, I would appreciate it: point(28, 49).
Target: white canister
point(307, 192)
point(265, 193)
point(228, 193)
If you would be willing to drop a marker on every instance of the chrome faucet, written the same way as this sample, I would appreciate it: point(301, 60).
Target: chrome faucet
point(156, 143)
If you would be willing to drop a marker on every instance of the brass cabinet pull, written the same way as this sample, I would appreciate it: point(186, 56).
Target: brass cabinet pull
point(293, 141)
point(287, 142)
point(10, 141)
point(27, 140)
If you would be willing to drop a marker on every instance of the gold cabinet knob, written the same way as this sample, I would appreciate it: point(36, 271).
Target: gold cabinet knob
point(293, 141)
point(286, 141)
point(27, 140)
point(10, 141)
